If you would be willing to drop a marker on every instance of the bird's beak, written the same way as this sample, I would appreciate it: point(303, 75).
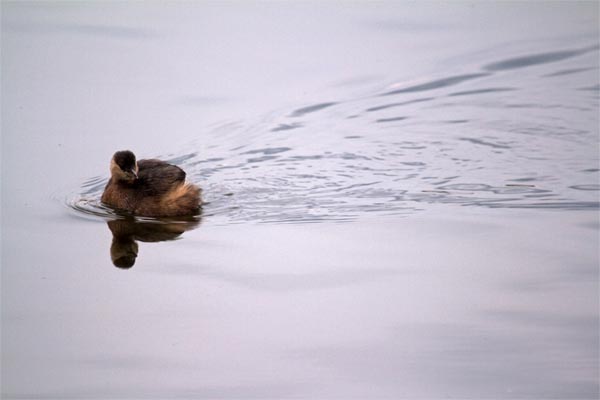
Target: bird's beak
point(134, 173)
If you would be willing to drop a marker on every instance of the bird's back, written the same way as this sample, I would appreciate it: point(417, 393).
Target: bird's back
point(156, 177)
point(159, 191)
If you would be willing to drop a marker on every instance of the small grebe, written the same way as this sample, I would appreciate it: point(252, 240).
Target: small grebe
point(149, 188)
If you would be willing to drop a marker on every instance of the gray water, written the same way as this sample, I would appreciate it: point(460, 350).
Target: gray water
point(401, 200)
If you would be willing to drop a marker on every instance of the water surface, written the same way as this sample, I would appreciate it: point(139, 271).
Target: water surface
point(401, 201)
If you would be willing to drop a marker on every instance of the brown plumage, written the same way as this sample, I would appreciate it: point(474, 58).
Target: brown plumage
point(149, 188)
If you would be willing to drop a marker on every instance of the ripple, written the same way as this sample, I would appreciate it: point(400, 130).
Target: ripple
point(593, 88)
point(467, 186)
point(91, 207)
point(569, 71)
point(535, 59)
point(310, 109)
point(403, 103)
point(261, 159)
point(178, 160)
point(270, 150)
point(481, 91)
point(485, 143)
point(391, 119)
point(286, 127)
point(93, 185)
point(586, 187)
point(437, 84)
point(557, 205)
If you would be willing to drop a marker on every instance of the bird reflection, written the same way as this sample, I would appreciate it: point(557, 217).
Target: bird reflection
point(127, 232)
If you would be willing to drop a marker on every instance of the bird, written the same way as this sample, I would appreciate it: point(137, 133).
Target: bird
point(149, 188)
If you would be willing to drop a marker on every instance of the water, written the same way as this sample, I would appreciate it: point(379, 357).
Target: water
point(402, 201)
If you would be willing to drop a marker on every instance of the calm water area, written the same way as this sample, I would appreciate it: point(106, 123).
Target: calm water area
point(401, 200)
